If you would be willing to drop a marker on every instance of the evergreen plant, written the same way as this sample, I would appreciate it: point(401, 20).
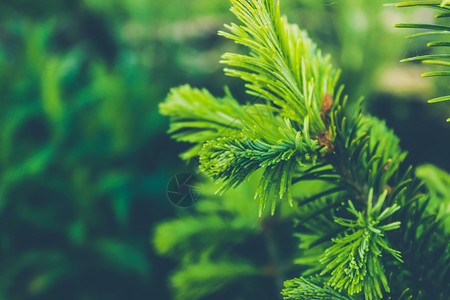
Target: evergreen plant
point(335, 215)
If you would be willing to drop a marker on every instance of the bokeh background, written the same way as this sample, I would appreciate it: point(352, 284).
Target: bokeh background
point(84, 155)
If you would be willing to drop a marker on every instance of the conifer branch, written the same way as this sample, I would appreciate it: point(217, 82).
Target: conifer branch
point(368, 206)
point(197, 116)
point(354, 261)
point(284, 65)
point(436, 30)
point(310, 289)
point(232, 160)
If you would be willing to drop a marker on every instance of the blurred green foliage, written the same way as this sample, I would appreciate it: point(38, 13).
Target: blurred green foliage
point(84, 157)
point(437, 182)
point(79, 190)
point(225, 250)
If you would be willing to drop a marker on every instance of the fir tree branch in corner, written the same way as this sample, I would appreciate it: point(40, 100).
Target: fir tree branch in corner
point(435, 59)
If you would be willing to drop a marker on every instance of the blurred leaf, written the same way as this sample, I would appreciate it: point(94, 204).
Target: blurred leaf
point(50, 89)
point(123, 256)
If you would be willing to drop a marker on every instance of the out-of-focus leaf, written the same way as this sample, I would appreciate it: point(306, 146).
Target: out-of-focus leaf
point(125, 257)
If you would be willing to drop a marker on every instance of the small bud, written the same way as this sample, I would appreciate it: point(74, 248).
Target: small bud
point(327, 103)
point(388, 164)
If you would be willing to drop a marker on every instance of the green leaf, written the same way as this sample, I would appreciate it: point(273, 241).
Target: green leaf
point(422, 57)
point(189, 233)
point(432, 4)
point(438, 44)
point(436, 73)
point(423, 26)
point(437, 182)
point(432, 33)
point(199, 280)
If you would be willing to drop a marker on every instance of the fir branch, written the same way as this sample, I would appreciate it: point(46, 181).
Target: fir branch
point(423, 239)
point(354, 261)
point(437, 29)
point(232, 160)
point(312, 288)
point(197, 116)
point(315, 227)
point(303, 78)
point(366, 154)
point(356, 157)
point(424, 243)
point(284, 65)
